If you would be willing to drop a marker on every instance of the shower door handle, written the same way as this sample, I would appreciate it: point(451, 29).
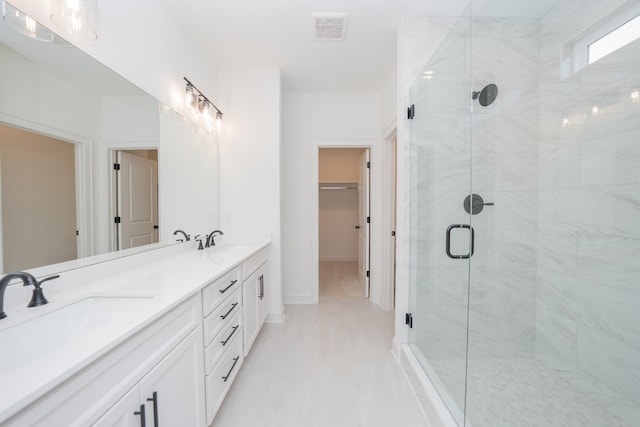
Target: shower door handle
point(448, 246)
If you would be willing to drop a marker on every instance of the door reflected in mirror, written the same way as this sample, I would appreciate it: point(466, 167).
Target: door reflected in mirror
point(136, 198)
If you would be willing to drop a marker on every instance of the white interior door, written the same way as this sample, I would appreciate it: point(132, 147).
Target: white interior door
point(364, 222)
point(137, 200)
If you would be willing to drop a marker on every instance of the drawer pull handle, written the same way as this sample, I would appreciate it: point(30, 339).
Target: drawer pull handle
point(154, 399)
point(233, 282)
point(235, 360)
point(235, 328)
point(143, 421)
point(233, 306)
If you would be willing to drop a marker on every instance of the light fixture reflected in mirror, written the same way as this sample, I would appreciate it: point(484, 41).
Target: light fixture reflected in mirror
point(25, 24)
point(76, 17)
point(201, 108)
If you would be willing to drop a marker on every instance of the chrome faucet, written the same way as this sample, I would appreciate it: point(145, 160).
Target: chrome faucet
point(28, 280)
point(210, 241)
point(186, 236)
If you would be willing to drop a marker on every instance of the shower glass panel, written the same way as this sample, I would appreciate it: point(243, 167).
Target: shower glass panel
point(554, 318)
point(440, 181)
point(541, 325)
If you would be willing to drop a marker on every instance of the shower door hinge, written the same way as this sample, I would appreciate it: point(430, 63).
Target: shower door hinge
point(411, 112)
point(368, 165)
point(117, 220)
point(368, 273)
point(408, 320)
point(368, 220)
point(116, 166)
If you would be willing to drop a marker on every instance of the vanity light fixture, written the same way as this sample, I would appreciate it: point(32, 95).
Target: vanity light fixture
point(76, 17)
point(25, 24)
point(202, 107)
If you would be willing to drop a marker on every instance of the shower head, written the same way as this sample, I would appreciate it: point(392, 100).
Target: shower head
point(487, 95)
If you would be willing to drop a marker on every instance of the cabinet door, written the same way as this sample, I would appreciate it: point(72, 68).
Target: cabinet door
point(123, 413)
point(250, 288)
point(173, 391)
point(263, 294)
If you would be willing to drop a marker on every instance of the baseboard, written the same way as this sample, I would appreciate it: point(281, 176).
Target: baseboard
point(299, 299)
point(276, 317)
point(338, 259)
point(435, 411)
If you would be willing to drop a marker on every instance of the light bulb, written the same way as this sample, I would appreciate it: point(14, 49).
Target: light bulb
point(218, 121)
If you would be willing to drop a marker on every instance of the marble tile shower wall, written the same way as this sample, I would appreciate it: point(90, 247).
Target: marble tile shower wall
point(588, 294)
point(504, 171)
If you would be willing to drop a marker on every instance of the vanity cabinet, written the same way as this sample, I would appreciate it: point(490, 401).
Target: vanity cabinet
point(174, 370)
point(222, 325)
point(165, 356)
point(254, 294)
point(171, 394)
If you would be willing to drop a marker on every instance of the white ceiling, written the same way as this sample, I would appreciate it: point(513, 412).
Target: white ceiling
point(279, 34)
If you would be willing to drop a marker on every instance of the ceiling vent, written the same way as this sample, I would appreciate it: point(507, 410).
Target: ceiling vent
point(330, 26)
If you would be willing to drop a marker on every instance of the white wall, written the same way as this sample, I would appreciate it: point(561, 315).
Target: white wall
point(310, 120)
point(188, 197)
point(389, 101)
point(250, 164)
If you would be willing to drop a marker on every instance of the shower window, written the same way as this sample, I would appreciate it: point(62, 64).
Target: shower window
point(616, 39)
point(609, 34)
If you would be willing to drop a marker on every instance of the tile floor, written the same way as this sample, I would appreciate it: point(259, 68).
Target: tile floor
point(526, 393)
point(328, 365)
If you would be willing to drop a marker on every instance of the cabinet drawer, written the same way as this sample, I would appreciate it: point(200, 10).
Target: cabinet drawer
point(252, 264)
point(221, 316)
point(220, 289)
point(220, 379)
point(222, 341)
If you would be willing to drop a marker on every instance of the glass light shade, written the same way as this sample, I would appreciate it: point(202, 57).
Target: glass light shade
point(25, 24)
point(190, 97)
point(205, 114)
point(76, 17)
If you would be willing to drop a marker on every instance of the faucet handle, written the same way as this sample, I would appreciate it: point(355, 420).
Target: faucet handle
point(38, 298)
point(200, 247)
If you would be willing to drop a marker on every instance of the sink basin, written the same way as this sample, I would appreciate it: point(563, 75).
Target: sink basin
point(86, 319)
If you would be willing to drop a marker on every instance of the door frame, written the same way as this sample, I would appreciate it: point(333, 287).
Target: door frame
point(379, 285)
point(389, 242)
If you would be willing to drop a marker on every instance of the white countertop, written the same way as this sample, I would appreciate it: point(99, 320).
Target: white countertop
point(43, 346)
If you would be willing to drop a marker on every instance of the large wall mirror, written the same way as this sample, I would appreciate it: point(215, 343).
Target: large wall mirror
point(66, 121)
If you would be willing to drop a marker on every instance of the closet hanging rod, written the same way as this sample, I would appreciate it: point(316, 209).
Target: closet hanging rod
point(338, 187)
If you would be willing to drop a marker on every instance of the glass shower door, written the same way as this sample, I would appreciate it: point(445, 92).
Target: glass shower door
point(441, 232)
